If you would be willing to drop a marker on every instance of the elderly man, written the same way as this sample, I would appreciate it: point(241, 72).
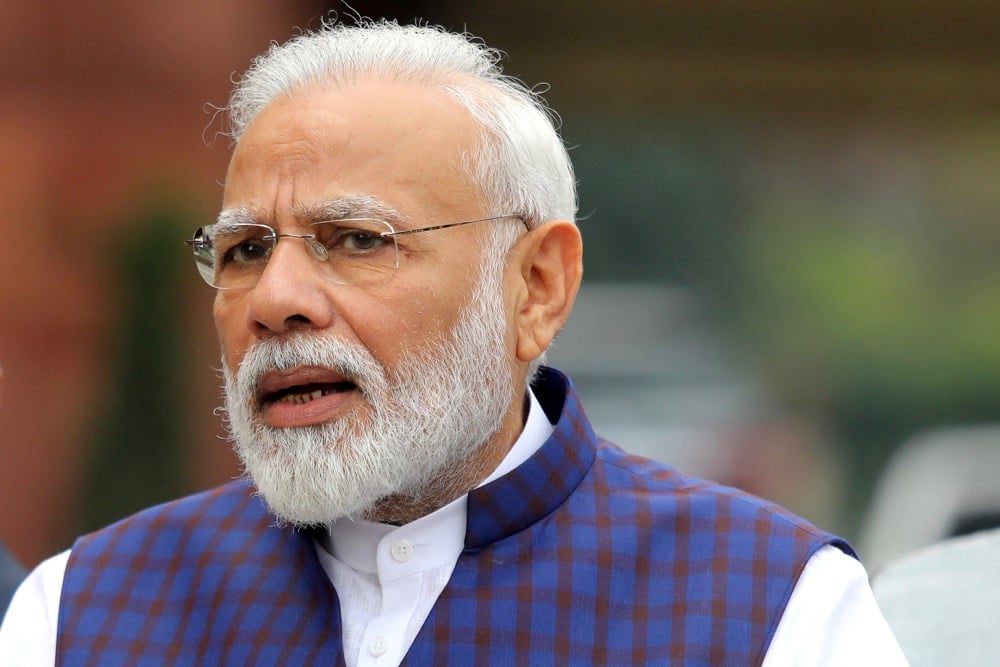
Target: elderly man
point(395, 252)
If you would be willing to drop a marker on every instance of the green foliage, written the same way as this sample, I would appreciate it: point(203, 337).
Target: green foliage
point(876, 332)
point(865, 310)
point(857, 272)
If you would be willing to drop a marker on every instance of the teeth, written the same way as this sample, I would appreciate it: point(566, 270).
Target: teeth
point(300, 399)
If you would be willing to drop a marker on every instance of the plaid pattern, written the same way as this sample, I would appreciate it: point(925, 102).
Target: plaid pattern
point(586, 555)
point(206, 580)
point(583, 555)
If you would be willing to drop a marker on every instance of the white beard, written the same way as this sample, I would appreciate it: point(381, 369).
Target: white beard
point(425, 418)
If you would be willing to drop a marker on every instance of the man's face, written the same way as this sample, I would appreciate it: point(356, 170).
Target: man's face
point(401, 146)
point(398, 144)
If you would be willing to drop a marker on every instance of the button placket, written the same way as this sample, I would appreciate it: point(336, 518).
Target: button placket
point(402, 551)
point(378, 646)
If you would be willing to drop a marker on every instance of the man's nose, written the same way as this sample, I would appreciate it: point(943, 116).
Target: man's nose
point(292, 291)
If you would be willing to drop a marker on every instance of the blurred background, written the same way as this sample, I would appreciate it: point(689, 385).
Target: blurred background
point(789, 209)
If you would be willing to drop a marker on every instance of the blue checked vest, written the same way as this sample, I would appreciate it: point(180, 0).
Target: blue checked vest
point(584, 555)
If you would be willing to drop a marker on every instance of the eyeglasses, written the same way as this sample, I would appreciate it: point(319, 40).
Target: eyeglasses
point(358, 251)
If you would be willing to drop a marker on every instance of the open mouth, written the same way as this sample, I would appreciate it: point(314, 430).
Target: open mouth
point(302, 394)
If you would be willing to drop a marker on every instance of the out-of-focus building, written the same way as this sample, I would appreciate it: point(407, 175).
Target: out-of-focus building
point(105, 107)
point(100, 107)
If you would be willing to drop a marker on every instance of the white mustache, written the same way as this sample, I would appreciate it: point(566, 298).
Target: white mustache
point(351, 360)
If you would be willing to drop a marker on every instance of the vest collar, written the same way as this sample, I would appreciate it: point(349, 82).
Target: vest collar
point(539, 485)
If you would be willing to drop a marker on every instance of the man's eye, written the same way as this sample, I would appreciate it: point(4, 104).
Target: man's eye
point(357, 239)
point(246, 252)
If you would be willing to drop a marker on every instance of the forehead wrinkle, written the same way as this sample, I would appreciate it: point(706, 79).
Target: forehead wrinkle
point(348, 206)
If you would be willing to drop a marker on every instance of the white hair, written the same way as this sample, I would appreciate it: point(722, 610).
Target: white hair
point(520, 163)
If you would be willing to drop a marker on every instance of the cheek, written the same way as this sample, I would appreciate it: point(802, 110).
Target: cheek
point(388, 328)
point(391, 328)
point(231, 331)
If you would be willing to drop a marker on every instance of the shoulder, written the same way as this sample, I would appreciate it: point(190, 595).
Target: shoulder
point(207, 537)
point(655, 494)
point(669, 495)
point(222, 508)
point(940, 600)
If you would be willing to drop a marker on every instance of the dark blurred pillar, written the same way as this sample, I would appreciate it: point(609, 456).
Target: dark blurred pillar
point(11, 574)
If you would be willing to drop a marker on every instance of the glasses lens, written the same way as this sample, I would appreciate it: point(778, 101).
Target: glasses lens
point(234, 256)
point(359, 253)
point(204, 258)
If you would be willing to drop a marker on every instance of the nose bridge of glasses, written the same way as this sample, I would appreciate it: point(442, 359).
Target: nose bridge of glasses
point(284, 263)
point(335, 264)
point(319, 250)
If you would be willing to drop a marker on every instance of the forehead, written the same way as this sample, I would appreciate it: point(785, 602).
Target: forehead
point(400, 143)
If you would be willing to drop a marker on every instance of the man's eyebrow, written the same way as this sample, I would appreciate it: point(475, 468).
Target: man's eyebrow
point(230, 217)
point(352, 206)
point(341, 208)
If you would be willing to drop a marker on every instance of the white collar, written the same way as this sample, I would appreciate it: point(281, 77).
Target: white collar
point(441, 534)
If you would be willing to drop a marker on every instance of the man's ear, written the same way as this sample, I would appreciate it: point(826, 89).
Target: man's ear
point(550, 264)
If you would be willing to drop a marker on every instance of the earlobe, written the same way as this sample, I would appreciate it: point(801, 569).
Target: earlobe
point(551, 268)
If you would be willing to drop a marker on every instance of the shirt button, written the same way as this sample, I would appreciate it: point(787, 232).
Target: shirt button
point(402, 551)
point(378, 647)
